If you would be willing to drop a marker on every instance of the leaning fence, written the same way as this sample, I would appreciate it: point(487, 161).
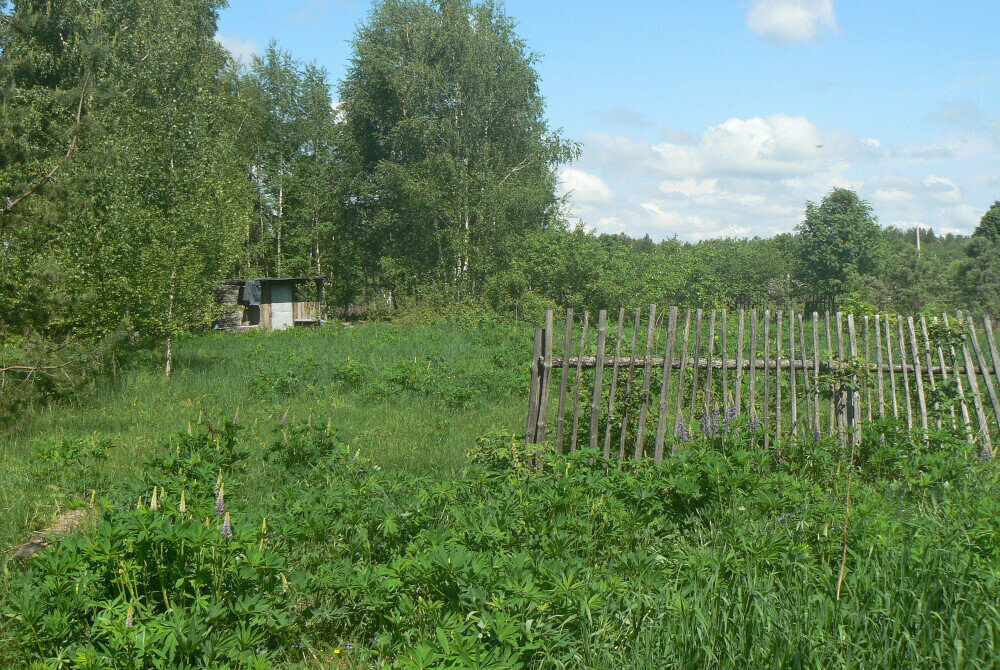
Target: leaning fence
point(646, 388)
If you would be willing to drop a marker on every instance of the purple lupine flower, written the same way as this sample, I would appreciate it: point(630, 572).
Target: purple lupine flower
point(227, 528)
point(220, 502)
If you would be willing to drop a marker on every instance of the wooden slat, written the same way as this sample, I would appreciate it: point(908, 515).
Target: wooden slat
point(767, 371)
point(529, 434)
point(595, 404)
point(816, 361)
point(792, 384)
point(941, 362)
point(868, 360)
point(640, 433)
point(679, 410)
point(990, 388)
point(578, 381)
point(918, 374)
point(930, 369)
point(854, 398)
point(806, 385)
point(695, 368)
point(711, 360)
point(963, 405)
point(977, 401)
point(753, 366)
point(892, 369)
point(563, 374)
point(628, 385)
point(906, 373)
point(614, 384)
point(668, 373)
point(879, 375)
point(546, 378)
point(738, 401)
point(842, 395)
point(778, 322)
point(829, 360)
point(994, 354)
point(725, 364)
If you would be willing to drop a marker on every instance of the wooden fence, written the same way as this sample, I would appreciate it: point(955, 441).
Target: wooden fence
point(793, 375)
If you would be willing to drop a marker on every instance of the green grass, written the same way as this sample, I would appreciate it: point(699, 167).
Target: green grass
point(409, 397)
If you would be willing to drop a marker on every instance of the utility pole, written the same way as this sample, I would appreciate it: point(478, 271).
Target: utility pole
point(918, 240)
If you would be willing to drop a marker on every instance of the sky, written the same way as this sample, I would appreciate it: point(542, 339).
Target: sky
point(723, 117)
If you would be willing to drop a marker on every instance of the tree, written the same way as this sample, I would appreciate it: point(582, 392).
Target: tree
point(840, 240)
point(989, 225)
point(443, 106)
point(142, 219)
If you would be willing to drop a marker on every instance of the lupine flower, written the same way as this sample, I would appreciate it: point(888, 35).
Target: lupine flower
point(220, 502)
point(683, 434)
point(227, 528)
point(129, 615)
point(183, 507)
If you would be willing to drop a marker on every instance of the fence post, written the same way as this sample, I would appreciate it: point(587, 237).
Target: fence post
point(529, 436)
point(545, 378)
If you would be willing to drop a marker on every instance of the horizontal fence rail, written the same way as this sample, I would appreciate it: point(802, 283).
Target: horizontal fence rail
point(634, 389)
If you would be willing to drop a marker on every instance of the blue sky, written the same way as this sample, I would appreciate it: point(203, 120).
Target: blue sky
point(722, 117)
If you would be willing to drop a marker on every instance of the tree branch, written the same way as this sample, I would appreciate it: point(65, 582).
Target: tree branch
point(48, 177)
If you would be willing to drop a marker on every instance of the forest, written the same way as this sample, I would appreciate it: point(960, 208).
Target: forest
point(140, 165)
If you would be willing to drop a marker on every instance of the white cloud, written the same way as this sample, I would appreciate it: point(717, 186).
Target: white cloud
point(585, 187)
point(784, 21)
point(779, 145)
point(241, 50)
point(753, 176)
point(690, 186)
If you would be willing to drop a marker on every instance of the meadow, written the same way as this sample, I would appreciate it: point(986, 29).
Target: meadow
point(373, 506)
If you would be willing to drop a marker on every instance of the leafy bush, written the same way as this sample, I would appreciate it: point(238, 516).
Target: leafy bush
point(727, 552)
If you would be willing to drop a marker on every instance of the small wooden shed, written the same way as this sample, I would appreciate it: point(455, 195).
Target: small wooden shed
point(270, 303)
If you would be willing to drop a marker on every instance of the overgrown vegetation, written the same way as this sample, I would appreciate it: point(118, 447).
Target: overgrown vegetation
point(310, 554)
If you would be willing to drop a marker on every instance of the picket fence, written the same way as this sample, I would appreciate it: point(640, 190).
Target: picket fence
point(932, 373)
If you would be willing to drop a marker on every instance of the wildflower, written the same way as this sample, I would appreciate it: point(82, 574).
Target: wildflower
point(227, 528)
point(129, 615)
point(336, 651)
point(183, 507)
point(350, 645)
point(220, 501)
point(152, 501)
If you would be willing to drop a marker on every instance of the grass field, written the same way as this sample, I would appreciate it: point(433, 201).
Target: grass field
point(410, 397)
point(374, 508)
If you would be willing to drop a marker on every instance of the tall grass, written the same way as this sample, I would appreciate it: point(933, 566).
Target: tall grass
point(409, 397)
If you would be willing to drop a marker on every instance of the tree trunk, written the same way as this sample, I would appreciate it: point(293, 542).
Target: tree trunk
point(170, 306)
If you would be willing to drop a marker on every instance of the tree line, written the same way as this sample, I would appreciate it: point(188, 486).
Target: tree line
point(140, 165)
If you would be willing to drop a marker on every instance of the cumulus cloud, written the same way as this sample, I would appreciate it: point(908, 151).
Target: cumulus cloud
point(585, 187)
point(785, 21)
point(753, 176)
point(241, 50)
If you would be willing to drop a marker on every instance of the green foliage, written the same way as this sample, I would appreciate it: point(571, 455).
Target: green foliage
point(989, 225)
point(455, 160)
point(725, 551)
point(840, 240)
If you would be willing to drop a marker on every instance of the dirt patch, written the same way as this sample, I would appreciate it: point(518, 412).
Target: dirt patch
point(69, 521)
